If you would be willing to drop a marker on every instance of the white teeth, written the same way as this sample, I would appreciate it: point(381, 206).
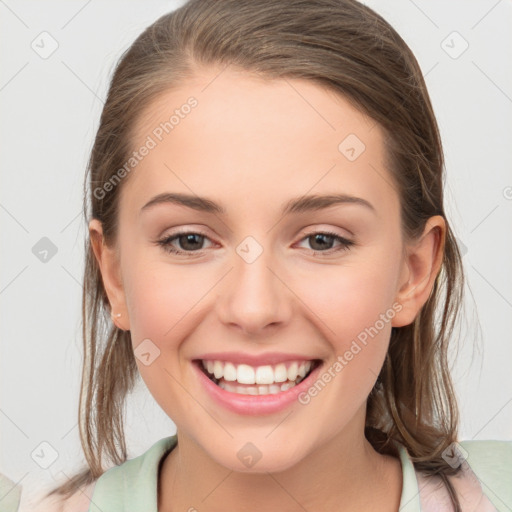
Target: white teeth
point(293, 371)
point(304, 368)
point(256, 390)
point(280, 373)
point(268, 379)
point(274, 389)
point(218, 369)
point(245, 374)
point(247, 390)
point(227, 387)
point(229, 372)
point(264, 375)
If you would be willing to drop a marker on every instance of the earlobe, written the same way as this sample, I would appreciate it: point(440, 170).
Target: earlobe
point(422, 263)
point(110, 269)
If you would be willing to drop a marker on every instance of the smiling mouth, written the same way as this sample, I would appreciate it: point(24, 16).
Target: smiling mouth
point(261, 380)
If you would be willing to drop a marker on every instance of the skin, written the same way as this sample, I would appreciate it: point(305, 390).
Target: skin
point(251, 145)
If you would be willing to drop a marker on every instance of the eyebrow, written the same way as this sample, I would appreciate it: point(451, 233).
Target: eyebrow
point(295, 205)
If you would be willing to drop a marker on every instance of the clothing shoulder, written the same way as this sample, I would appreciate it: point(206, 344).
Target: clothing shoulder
point(491, 463)
point(132, 484)
point(10, 493)
point(488, 453)
point(483, 483)
point(116, 486)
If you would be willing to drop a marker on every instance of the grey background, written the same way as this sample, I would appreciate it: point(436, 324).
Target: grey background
point(50, 111)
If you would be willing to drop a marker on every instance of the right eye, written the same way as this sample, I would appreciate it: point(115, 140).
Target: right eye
point(188, 240)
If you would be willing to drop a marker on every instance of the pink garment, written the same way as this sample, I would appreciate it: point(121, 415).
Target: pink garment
point(434, 495)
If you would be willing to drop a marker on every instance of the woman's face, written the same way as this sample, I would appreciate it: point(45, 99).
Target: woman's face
point(262, 282)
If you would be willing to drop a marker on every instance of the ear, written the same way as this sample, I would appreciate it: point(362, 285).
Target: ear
point(421, 264)
point(108, 261)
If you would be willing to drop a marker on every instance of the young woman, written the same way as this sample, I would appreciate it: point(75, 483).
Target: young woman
point(269, 240)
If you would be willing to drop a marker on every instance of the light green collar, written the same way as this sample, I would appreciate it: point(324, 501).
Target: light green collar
point(133, 485)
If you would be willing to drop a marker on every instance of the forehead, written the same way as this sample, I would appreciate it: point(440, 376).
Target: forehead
point(227, 98)
point(227, 130)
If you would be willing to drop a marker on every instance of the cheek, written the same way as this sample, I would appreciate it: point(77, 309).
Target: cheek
point(351, 300)
point(349, 315)
point(163, 303)
point(161, 299)
point(354, 310)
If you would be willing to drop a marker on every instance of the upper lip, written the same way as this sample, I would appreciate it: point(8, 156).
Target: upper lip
point(268, 358)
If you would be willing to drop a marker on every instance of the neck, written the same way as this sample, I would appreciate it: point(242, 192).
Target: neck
point(346, 470)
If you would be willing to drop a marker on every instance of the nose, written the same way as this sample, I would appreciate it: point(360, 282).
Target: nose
point(254, 297)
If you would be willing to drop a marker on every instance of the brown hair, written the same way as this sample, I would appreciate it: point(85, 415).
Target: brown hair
point(348, 48)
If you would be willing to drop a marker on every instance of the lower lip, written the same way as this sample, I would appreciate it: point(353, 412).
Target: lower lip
point(255, 405)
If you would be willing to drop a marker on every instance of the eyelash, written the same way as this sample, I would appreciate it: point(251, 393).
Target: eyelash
point(165, 243)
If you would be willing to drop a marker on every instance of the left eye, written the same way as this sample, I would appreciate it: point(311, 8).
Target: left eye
point(190, 242)
point(319, 238)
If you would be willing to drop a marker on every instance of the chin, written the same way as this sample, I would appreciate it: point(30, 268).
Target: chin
point(251, 459)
